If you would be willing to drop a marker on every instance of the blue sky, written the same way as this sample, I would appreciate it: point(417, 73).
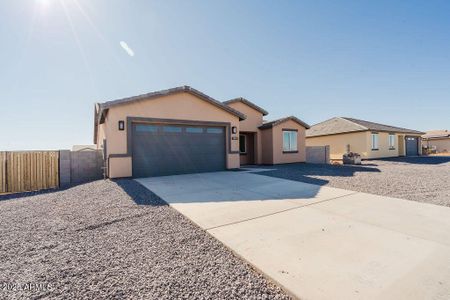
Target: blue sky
point(377, 60)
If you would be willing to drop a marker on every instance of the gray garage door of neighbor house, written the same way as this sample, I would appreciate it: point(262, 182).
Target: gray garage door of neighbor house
point(160, 150)
point(412, 145)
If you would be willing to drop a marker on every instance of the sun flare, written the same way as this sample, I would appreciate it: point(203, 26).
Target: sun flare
point(43, 2)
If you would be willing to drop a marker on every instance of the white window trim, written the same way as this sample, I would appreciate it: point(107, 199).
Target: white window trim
point(391, 138)
point(292, 141)
point(375, 141)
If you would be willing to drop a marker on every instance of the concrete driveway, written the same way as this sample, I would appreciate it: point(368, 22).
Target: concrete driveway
point(320, 242)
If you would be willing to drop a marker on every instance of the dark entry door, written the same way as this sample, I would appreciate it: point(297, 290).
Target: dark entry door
point(247, 148)
point(412, 146)
point(160, 150)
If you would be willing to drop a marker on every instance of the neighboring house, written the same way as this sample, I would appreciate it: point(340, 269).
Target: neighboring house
point(181, 130)
point(437, 140)
point(84, 147)
point(369, 139)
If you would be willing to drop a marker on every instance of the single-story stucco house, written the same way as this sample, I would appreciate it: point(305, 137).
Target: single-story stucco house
point(369, 139)
point(437, 140)
point(182, 130)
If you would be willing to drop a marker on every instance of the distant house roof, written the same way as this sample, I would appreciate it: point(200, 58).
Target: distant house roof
point(282, 120)
point(102, 108)
point(436, 134)
point(84, 147)
point(247, 102)
point(339, 125)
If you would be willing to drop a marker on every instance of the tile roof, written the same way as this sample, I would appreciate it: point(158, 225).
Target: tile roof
point(102, 108)
point(185, 88)
point(282, 120)
point(247, 102)
point(436, 134)
point(382, 127)
point(345, 125)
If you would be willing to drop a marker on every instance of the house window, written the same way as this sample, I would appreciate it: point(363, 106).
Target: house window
point(392, 141)
point(289, 141)
point(374, 141)
point(242, 144)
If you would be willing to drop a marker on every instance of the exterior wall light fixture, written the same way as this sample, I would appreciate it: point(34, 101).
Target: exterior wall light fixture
point(121, 125)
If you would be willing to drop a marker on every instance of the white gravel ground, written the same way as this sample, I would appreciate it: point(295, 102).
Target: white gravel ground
point(94, 242)
point(423, 179)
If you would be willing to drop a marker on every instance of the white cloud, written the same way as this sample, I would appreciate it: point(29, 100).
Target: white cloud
point(127, 48)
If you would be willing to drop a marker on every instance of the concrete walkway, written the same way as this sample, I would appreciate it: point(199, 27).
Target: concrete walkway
point(320, 242)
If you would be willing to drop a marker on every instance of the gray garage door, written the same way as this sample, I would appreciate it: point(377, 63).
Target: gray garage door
point(412, 146)
point(160, 150)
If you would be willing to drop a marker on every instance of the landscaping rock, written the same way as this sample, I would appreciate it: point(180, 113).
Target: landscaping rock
point(115, 240)
point(423, 179)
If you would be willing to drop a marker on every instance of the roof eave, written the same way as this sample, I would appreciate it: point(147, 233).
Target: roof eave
point(336, 133)
point(282, 120)
point(436, 137)
point(375, 126)
point(248, 103)
point(175, 90)
point(362, 130)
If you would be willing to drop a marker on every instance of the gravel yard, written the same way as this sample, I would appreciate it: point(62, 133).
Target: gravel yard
point(423, 179)
point(94, 241)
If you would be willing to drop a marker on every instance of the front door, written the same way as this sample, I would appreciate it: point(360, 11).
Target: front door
point(247, 148)
point(412, 148)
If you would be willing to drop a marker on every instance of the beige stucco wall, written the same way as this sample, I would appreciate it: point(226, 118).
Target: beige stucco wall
point(182, 106)
point(120, 167)
point(401, 144)
point(442, 145)
point(272, 143)
point(250, 124)
point(267, 145)
point(254, 118)
point(360, 142)
point(284, 158)
point(383, 146)
point(100, 135)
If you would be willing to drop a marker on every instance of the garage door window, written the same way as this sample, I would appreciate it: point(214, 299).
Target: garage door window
point(146, 128)
point(172, 129)
point(194, 130)
point(289, 141)
point(214, 130)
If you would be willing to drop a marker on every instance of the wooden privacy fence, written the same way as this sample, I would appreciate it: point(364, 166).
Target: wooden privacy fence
point(22, 171)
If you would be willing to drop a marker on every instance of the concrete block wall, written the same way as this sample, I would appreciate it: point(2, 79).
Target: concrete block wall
point(86, 166)
point(64, 168)
point(318, 154)
point(80, 166)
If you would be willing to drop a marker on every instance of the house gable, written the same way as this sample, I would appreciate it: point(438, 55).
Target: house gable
point(179, 106)
point(254, 117)
point(283, 120)
point(102, 109)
